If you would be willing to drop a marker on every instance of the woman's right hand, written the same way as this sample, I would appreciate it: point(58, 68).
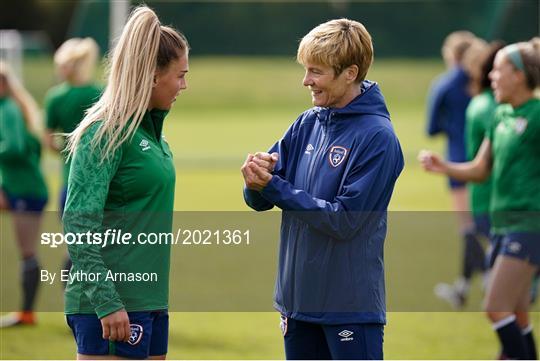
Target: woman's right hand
point(116, 326)
point(432, 162)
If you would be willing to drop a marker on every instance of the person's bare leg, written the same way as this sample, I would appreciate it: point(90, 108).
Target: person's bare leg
point(510, 279)
point(27, 226)
point(460, 204)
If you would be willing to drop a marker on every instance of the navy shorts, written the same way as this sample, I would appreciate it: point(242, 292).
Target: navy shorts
point(455, 184)
point(311, 341)
point(522, 245)
point(495, 243)
point(25, 204)
point(149, 335)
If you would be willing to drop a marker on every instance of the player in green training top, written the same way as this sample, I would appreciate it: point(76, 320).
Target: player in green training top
point(66, 103)
point(122, 177)
point(510, 153)
point(22, 187)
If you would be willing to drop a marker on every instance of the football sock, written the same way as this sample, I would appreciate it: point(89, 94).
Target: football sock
point(529, 342)
point(473, 257)
point(30, 282)
point(511, 338)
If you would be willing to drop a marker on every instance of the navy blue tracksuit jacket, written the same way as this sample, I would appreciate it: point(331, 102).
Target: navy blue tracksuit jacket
point(447, 103)
point(334, 179)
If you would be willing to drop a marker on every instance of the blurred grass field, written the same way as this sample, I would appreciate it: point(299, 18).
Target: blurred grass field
point(238, 105)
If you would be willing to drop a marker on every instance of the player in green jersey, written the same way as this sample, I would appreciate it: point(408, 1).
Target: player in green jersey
point(66, 103)
point(22, 187)
point(122, 177)
point(510, 153)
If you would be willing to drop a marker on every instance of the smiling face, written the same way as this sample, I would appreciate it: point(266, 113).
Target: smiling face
point(505, 79)
point(169, 82)
point(329, 90)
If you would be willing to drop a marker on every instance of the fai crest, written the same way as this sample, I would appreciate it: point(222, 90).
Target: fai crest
point(337, 155)
point(136, 334)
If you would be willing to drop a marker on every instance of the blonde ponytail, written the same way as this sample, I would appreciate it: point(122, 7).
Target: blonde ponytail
point(125, 100)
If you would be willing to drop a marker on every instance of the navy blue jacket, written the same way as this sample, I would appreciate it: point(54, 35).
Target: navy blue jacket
point(334, 179)
point(448, 100)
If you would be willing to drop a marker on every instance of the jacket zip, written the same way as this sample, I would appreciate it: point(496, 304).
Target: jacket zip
point(320, 150)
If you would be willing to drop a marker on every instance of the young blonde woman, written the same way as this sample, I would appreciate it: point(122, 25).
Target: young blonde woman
point(510, 153)
point(122, 177)
point(22, 187)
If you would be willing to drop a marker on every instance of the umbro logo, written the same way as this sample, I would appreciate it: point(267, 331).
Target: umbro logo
point(309, 149)
point(145, 145)
point(346, 335)
point(514, 247)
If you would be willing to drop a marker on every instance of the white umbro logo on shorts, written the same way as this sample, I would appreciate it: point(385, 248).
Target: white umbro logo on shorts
point(145, 145)
point(346, 334)
point(309, 149)
point(514, 247)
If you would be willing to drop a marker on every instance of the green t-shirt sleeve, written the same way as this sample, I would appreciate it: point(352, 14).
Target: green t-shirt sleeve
point(88, 187)
point(12, 132)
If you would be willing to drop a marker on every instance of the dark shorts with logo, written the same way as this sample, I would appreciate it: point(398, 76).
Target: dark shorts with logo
point(522, 245)
point(19, 204)
point(311, 341)
point(149, 335)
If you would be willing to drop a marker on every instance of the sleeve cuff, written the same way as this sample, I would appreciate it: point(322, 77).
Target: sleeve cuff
point(271, 190)
point(109, 307)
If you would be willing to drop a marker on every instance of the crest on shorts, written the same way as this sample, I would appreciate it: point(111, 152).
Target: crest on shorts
point(136, 334)
point(337, 155)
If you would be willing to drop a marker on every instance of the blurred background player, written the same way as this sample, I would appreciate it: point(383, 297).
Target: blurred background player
point(22, 187)
point(510, 152)
point(66, 103)
point(478, 61)
point(447, 102)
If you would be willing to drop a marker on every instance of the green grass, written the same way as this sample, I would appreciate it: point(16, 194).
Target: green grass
point(238, 105)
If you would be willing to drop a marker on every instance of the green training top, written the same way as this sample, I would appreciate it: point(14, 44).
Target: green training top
point(479, 117)
point(65, 105)
point(20, 152)
point(131, 191)
point(515, 142)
